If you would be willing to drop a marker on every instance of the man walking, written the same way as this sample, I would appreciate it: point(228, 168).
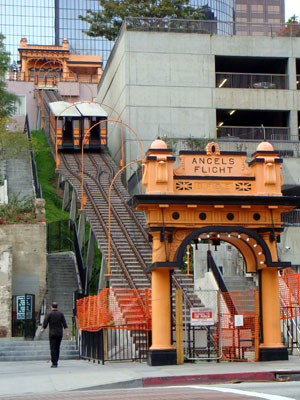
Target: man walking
point(57, 322)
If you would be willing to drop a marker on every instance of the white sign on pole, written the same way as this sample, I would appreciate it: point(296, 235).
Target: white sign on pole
point(238, 320)
point(201, 316)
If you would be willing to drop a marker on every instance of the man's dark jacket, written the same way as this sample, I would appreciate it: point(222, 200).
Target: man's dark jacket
point(56, 321)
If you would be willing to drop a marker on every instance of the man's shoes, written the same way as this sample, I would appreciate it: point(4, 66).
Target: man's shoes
point(53, 366)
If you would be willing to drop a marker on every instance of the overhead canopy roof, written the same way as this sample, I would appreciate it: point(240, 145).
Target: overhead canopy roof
point(91, 109)
point(63, 109)
point(77, 110)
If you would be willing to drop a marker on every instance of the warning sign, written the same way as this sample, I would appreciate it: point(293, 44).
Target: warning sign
point(201, 316)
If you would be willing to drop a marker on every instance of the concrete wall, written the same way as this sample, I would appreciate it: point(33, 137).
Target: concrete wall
point(163, 84)
point(5, 290)
point(29, 263)
point(77, 91)
point(26, 89)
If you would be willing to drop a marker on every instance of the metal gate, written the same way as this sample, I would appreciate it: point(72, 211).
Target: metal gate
point(225, 327)
point(23, 316)
point(199, 328)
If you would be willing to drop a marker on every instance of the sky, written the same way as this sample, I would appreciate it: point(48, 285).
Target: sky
point(292, 7)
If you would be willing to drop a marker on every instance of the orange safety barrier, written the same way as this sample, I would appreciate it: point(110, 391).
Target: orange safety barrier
point(289, 291)
point(237, 332)
point(115, 309)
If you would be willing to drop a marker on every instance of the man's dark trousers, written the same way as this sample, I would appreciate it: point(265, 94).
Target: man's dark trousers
point(54, 348)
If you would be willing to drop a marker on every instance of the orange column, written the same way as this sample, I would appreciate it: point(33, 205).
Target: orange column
point(161, 352)
point(272, 347)
point(161, 309)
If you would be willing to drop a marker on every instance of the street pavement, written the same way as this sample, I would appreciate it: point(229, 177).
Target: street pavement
point(36, 380)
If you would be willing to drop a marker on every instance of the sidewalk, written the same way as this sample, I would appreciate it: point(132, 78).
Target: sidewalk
point(20, 378)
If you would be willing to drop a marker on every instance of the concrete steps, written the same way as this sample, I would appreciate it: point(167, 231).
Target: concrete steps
point(240, 283)
point(17, 349)
point(61, 284)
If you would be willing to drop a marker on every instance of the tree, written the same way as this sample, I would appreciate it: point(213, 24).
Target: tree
point(107, 22)
point(12, 141)
point(7, 100)
point(292, 28)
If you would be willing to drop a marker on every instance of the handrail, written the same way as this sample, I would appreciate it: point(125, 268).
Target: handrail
point(211, 265)
point(37, 186)
point(214, 27)
point(251, 80)
point(78, 255)
point(254, 132)
point(289, 332)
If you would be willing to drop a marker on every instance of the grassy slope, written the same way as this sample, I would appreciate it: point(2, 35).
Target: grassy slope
point(47, 178)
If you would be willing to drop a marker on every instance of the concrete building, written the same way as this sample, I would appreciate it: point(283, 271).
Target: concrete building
point(185, 86)
point(190, 88)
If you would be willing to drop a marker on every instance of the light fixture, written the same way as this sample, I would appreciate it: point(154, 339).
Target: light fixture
point(229, 235)
point(207, 235)
point(218, 235)
point(255, 244)
point(247, 240)
point(220, 123)
point(223, 82)
point(232, 112)
point(260, 253)
point(239, 236)
point(261, 262)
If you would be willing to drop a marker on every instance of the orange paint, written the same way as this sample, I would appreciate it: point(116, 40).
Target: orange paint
point(250, 224)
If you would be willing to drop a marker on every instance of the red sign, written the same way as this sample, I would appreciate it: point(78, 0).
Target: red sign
point(201, 316)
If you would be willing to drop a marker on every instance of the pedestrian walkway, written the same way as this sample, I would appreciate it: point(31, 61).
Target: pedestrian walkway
point(36, 377)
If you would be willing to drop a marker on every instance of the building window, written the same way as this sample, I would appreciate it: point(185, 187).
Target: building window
point(257, 8)
point(241, 7)
point(21, 106)
point(274, 9)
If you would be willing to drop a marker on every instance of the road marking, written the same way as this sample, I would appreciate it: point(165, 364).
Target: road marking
point(243, 392)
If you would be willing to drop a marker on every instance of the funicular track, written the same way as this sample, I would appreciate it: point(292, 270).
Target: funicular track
point(131, 251)
point(130, 248)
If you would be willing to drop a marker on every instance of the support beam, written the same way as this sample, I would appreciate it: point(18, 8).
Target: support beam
point(81, 228)
point(103, 272)
point(90, 255)
point(73, 206)
point(66, 197)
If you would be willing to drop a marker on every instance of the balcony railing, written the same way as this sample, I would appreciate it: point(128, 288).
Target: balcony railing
point(210, 27)
point(251, 81)
point(50, 79)
point(254, 133)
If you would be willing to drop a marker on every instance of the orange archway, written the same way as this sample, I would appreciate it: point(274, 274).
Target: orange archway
point(214, 195)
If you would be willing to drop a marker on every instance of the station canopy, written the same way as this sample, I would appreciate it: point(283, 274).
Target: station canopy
point(63, 109)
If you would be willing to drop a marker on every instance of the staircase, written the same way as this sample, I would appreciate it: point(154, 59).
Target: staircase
point(61, 284)
point(240, 283)
point(17, 349)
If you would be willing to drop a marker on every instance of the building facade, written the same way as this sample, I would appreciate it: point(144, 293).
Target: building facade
point(48, 22)
point(253, 15)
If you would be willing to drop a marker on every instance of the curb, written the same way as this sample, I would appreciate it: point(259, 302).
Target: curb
point(265, 376)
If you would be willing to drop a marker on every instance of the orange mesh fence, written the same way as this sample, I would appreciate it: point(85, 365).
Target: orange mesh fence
point(115, 308)
point(289, 292)
point(238, 326)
